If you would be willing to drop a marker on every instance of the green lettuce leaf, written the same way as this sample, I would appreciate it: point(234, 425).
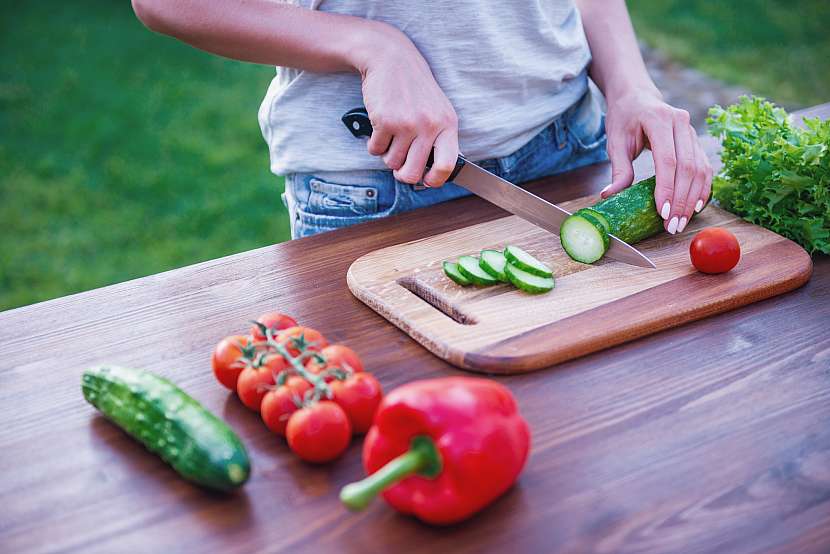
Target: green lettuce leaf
point(774, 174)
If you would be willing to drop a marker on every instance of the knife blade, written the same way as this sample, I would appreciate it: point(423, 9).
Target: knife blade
point(506, 195)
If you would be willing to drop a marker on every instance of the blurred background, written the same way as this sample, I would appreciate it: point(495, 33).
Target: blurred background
point(124, 153)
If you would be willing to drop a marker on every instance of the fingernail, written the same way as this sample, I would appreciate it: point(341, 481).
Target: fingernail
point(673, 225)
point(603, 191)
point(664, 213)
point(699, 206)
point(682, 224)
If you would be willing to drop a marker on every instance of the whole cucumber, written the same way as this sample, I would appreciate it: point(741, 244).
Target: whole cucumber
point(197, 444)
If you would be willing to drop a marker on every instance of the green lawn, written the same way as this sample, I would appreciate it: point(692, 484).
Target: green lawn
point(124, 153)
point(776, 48)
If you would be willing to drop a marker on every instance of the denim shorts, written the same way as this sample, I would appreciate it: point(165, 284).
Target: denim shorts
point(324, 201)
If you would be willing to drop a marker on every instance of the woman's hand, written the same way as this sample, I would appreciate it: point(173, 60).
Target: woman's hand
point(410, 113)
point(640, 119)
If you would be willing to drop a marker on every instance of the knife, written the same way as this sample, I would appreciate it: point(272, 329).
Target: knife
point(506, 195)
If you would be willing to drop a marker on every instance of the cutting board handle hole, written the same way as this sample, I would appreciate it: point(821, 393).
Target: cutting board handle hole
point(428, 295)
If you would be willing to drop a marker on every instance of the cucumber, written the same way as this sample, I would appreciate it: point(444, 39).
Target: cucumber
point(493, 262)
point(451, 271)
point(469, 268)
point(596, 215)
point(583, 238)
point(632, 213)
point(528, 282)
point(197, 444)
point(526, 262)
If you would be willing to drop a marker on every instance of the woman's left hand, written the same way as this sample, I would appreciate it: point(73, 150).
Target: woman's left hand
point(641, 119)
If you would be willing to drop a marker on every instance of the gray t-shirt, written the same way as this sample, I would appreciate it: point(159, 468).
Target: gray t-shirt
point(508, 68)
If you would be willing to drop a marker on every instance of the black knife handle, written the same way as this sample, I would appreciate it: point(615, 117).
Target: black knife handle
point(358, 123)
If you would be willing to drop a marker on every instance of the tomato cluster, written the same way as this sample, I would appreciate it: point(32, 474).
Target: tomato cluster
point(314, 394)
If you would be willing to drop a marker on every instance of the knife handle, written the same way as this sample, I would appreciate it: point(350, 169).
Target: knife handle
point(358, 123)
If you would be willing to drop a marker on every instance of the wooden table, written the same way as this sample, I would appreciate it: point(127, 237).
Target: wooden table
point(712, 437)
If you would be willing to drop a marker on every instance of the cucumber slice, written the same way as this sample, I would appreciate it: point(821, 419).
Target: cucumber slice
point(606, 240)
point(526, 262)
point(451, 271)
point(469, 268)
point(596, 215)
point(528, 282)
point(584, 240)
point(493, 262)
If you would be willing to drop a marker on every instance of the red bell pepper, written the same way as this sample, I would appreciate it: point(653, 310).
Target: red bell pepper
point(442, 449)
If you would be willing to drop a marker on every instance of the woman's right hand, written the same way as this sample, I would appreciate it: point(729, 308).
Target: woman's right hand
point(410, 113)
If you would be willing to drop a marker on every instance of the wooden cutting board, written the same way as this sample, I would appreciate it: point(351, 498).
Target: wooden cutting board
point(502, 330)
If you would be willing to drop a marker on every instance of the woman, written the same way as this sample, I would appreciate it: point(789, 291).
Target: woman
point(507, 82)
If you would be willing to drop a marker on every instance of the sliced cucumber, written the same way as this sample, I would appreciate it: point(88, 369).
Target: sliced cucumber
point(493, 262)
point(526, 262)
point(451, 271)
point(595, 221)
point(469, 268)
point(596, 215)
point(528, 282)
point(584, 240)
point(632, 213)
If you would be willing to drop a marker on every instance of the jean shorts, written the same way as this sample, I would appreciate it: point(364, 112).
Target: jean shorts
point(329, 200)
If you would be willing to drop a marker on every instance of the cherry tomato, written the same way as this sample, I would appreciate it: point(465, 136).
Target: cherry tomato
point(278, 404)
point(336, 355)
point(715, 250)
point(229, 359)
point(274, 321)
point(319, 433)
point(359, 395)
point(254, 382)
point(295, 339)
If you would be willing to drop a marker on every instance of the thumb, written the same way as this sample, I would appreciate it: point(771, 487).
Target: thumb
point(622, 170)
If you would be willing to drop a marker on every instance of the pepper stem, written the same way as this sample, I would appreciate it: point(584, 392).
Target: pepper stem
point(422, 458)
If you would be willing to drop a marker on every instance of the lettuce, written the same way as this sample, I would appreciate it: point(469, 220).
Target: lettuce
point(774, 174)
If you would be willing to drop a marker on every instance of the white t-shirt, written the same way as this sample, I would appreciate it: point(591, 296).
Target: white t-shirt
point(509, 68)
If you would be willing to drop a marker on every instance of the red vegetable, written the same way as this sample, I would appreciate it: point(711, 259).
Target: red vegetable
point(442, 449)
point(319, 433)
point(272, 320)
point(229, 359)
point(301, 339)
point(335, 356)
point(714, 250)
point(278, 404)
point(254, 382)
point(359, 395)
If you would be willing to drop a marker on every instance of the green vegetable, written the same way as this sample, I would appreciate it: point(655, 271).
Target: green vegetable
point(583, 238)
point(526, 262)
point(528, 282)
point(775, 174)
point(493, 262)
point(199, 446)
point(451, 271)
point(468, 267)
point(631, 212)
point(601, 219)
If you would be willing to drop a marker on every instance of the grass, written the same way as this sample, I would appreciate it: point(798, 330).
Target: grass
point(776, 48)
point(124, 153)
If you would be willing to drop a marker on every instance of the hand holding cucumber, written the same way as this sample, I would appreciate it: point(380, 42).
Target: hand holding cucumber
point(684, 176)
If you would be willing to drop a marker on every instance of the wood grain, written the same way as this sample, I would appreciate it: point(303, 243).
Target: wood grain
point(710, 437)
point(501, 330)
